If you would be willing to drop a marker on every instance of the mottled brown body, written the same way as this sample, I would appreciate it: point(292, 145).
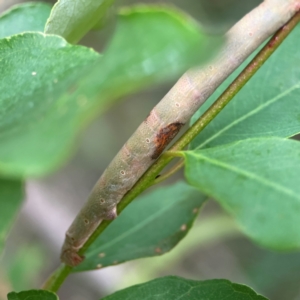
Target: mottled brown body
point(166, 119)
point(164, 137)
point(125, 168)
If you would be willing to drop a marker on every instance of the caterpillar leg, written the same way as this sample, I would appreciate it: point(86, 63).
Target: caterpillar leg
point(78, 233)
point(71, 258)
point(111, 215)
point(69, 253)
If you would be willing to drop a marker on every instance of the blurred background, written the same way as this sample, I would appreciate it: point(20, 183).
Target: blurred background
point(214, 248)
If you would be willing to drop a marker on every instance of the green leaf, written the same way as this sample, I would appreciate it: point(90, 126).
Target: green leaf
point(24, 17)
point(72, 19)
point(258, 182)
point(172, 288)
point(207, 231)
point(60, 87)
point(11, 197)
point(30, 113)
point(32, 295)
point(150, 226)
point(269, 104)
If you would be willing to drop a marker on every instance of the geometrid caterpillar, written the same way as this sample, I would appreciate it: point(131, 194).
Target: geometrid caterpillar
point(167, 117)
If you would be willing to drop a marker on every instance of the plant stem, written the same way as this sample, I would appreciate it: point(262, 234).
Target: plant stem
point(57, 278)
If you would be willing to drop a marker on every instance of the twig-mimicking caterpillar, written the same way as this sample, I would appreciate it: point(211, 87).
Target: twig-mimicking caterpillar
point(167, 117)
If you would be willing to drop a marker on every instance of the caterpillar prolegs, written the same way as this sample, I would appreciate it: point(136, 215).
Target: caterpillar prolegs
point(167, 118)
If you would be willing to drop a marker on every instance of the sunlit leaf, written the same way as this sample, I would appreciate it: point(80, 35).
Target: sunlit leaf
point(258, 182)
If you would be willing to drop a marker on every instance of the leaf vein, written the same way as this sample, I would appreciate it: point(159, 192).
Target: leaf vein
point(248, 174)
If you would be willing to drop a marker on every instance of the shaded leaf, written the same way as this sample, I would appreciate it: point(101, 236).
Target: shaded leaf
point(207, 232)
point(60, 87)
point(172, 288)
point(150, 226)
point(24, 17)
point(72, 19)
point(269, 104)
point(11, 197)
point(257, 181)
point(32, 295)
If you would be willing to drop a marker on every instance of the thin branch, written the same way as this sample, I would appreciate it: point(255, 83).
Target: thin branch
point(57, 278)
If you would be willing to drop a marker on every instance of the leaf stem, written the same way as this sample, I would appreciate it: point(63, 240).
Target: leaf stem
point(58, 277)
point(169, 173)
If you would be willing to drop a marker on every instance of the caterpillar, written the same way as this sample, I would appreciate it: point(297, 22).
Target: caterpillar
point(167, 118)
